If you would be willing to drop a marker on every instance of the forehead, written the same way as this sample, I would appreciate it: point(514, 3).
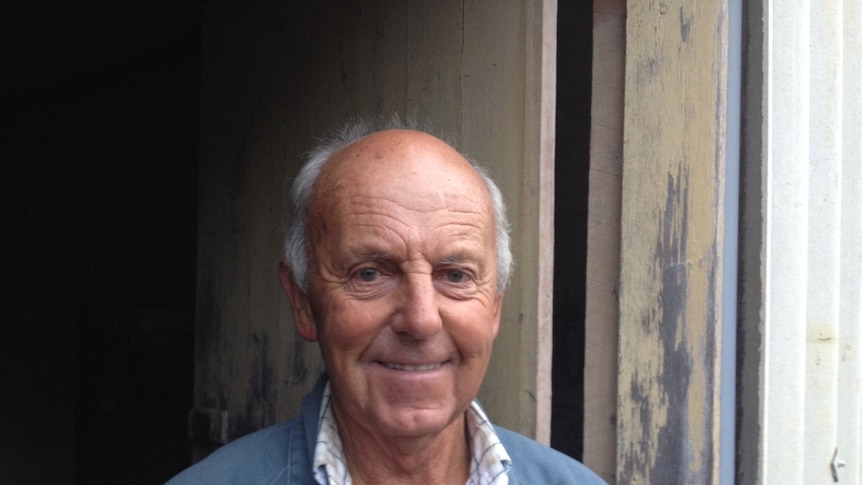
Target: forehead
point(409, 169)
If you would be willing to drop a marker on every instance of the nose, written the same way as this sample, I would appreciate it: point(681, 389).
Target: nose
point(419, 313)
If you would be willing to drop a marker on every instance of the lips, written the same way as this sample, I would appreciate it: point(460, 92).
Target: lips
point(412, 368)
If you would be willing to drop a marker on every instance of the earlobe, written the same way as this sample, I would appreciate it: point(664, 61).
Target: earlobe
point(303, 319)
point(498, 313)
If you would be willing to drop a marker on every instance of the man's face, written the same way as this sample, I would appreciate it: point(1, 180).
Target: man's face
point(403, 283)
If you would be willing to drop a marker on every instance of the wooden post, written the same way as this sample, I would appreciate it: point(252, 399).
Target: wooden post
point(671, 278)
point(603, 243)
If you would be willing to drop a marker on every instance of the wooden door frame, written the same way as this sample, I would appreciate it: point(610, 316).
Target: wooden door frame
point(660, 161)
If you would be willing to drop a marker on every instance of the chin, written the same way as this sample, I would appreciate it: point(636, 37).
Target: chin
point(416, 423)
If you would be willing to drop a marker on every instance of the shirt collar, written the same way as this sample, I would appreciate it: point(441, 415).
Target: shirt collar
point(489, 462)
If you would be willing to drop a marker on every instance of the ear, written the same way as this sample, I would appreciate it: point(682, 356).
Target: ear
point(497, 313)
point(303, 318)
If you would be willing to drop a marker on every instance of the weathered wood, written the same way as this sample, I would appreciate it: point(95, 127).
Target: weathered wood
point(275, 76)
point(507, 123)
point(671, 278)
point(603, 238)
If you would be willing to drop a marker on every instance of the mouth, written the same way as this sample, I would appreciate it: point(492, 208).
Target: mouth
point(411, 368)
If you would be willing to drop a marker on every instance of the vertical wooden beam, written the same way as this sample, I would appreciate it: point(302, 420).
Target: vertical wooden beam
point(671, 278)
point(507, 118)
point(603, 240)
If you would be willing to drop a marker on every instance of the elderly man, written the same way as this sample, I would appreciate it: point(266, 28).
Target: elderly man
point(396, 263)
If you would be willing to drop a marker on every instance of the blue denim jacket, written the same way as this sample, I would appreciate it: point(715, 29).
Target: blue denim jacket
point(283, 453)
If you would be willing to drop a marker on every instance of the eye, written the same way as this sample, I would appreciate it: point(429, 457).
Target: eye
point(456, 276)
point(368, 275)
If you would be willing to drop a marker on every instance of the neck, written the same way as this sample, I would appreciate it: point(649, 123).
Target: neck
point(443, 458)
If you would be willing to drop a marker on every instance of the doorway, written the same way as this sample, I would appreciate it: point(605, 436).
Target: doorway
point(572, 155)
point(97, 241)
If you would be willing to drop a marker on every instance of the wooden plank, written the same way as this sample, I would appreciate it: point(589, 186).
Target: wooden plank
point(603, 237)
point(540, 125)
point(434, 63)
point(671, 279)
point(506, 101)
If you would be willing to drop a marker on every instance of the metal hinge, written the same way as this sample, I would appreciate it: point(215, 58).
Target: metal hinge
point(836, 464)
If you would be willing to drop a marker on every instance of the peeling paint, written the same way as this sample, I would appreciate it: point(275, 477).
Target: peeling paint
point(672, 385)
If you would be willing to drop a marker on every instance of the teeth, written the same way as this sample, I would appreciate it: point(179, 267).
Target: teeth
point(412, 368)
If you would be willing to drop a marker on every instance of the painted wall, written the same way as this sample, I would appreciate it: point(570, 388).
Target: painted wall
point(801, 366)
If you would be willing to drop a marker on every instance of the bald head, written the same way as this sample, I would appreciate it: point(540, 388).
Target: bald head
point(395, 149)
point(412, 169)
point(417, 169)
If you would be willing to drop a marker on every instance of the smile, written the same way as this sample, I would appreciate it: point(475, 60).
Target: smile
point(412, 368)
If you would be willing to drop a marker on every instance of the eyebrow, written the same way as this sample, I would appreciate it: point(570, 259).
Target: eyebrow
point(460, 258)
point(365, 254)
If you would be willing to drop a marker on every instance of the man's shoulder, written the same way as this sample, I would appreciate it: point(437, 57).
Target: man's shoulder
point(533, 462)
point(258, 458)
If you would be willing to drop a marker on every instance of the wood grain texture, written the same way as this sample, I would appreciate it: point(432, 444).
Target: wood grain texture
point(672, 227)
point(603, 238)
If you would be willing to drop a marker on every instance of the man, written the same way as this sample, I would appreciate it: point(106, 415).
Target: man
point(396, 263)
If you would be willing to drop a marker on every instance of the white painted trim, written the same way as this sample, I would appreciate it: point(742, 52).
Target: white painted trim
point(812, 242)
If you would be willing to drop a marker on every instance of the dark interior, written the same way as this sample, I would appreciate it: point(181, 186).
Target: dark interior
point(574, 78)
point(97, 241)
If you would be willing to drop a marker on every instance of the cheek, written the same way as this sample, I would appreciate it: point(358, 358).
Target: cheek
point(350, 324)
point(474, 331)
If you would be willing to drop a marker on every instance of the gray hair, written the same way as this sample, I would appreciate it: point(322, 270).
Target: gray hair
point(297, 252)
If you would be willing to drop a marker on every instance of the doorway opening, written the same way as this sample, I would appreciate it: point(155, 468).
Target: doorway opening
point(97, 242)
point(572, 156)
